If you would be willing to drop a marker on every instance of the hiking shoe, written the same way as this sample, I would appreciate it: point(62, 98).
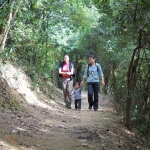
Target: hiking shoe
point(69, 107)
point(90, 108)
point(95, 110)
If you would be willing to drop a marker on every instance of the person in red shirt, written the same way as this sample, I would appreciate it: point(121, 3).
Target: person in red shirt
point(67, 80)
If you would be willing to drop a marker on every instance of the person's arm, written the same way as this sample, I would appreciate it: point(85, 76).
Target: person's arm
point(101, 74)
point(72, 71)
point(103, 82)
point(65, 73)
point(73, 93)
point(81, 85)
point(82, 81)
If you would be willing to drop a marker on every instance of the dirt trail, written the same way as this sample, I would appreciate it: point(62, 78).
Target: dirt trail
point(59, 128)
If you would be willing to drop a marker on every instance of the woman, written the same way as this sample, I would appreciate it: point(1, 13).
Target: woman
point(92, 72)
point(66, 72)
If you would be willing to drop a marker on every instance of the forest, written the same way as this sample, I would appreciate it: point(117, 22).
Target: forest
point(37, 34)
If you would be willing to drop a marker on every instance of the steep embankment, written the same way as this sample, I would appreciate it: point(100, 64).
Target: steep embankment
point(14, 78)
point(39, 123)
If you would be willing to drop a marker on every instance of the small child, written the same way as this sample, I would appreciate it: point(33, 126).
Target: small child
point(77, 95)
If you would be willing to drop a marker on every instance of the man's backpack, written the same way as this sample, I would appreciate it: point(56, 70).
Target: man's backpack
point(70, 67)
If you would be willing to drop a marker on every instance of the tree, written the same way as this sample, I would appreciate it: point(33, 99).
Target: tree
point(8, 12)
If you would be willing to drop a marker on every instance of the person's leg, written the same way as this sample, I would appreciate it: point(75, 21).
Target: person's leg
point(90, 95)
point(96, 90)
point(76, 104)
point(64, 88)
point(69, 92)
point(79, 103)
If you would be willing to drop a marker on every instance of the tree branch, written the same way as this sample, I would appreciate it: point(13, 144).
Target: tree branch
point(134, 18)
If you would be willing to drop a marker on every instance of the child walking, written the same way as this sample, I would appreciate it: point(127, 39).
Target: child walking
point(77, 95)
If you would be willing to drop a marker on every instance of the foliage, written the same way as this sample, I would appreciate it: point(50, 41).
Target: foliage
point(116, 31)
point(143, 128)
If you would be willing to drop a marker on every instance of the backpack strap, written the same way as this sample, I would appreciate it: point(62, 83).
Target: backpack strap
point(88, 68)
point(70, 65)
point(97, 67)
point(61, 66)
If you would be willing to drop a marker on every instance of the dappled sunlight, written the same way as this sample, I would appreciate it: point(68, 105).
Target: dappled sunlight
point(129, 132)
point(2, 143)
point(21, 129)
point(7, 146)
point(18, 81)
point(12, 142)
point(106, 118)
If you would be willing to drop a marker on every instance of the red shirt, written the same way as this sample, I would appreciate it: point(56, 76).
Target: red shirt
point(65, 68)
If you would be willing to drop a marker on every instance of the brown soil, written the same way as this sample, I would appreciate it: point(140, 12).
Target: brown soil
point(59, 128)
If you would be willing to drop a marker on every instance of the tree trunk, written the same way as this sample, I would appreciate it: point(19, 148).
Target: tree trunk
point(130, 79)
point(55, 78)
point(79, 73)
point(4, 32)
point(107, 76)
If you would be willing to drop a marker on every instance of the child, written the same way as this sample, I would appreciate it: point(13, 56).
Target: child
point(77, 95)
